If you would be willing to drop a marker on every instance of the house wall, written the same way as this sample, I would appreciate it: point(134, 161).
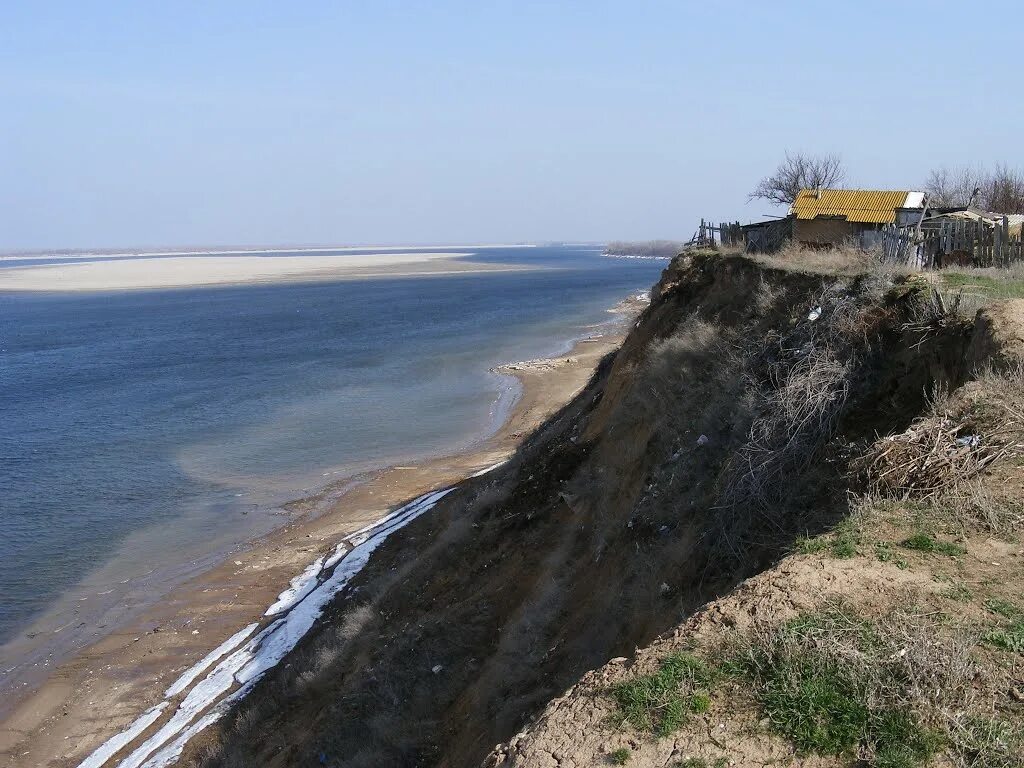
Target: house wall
point(908, 217)
point(823, 231)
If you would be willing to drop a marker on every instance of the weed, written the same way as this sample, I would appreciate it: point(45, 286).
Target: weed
point(806, 545)
point(620, 756)
point(662, 702)
point(901, 740)
point(981, 742)
point(884, 552)
point(1009, 637)
point(958, 591)
point(835, 684)
point(1004, 608)
point(700, 762)
point(924, 542)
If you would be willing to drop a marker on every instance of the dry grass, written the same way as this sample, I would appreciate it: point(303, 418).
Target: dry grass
point(798, 386)
point(843, 260)
point(941, 459)
point(893, 691)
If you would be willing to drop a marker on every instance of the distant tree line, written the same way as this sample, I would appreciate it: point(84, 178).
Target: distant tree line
point(1000, 190)
point(649, 248)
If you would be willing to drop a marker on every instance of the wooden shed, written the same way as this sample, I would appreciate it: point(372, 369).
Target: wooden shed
point(824, 218)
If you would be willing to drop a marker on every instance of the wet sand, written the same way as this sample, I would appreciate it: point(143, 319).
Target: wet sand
point(97, 693)
point(192, 271)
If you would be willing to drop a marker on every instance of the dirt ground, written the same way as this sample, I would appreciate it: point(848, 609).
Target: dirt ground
point(578, 730)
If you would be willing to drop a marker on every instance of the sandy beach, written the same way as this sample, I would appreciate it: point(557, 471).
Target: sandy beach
point(91, 697)
point(189, 271)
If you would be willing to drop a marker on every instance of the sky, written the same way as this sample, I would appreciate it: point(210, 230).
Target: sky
point(228, 123)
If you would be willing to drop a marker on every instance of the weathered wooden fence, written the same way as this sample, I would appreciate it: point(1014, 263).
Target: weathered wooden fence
point(953, 242)
point(768, 237)
point(725, 233)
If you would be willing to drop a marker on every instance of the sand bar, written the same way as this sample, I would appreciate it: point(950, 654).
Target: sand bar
point(143, 273)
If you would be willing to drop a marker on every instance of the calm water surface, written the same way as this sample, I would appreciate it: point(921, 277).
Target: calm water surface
point(141, 428)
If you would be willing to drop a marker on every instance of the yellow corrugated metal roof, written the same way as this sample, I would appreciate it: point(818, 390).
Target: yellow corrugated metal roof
point(860, 205)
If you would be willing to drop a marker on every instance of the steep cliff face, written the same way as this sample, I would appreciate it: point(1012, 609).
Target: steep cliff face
point(717, 435)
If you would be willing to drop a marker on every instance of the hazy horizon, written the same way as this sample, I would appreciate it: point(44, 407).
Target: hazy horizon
point(256, 124)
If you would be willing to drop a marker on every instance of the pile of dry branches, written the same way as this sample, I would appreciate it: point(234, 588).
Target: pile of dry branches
point(934, 456)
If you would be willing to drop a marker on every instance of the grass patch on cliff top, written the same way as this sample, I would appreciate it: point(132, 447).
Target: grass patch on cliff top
point(663, 701)
point(925, 542)
point(991, 283)
point(835, 684)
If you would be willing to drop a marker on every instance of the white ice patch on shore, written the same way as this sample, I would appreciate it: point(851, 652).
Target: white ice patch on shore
point(301, 586)
point(193, 672)
point(112, 746)
point(245, 666)
point(485, 470)
point(339, 552)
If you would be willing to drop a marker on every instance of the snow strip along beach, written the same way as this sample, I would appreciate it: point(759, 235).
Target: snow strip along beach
point(241, 668)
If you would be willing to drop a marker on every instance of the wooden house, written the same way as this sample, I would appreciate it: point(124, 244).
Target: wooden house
point(824, 218)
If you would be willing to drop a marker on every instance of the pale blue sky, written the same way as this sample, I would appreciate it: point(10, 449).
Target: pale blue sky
point(147, 123)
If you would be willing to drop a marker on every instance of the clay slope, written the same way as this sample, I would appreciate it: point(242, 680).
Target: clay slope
point(690, 463)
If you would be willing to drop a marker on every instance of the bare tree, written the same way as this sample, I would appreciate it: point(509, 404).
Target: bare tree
point(1000, 190)
point(953, 186)
point(1004, 190)
point(796, 172)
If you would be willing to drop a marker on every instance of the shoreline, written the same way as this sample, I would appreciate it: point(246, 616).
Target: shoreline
point(99, 690)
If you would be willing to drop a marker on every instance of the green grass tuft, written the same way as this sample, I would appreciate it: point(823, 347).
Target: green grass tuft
point(662, 702)
point(958, 591)
point(620, 756)
point(806, 545)
point(700, 703)
point(700, 762)
point(824, 704)
point(884, 552)
point(820, 710)
point(901, 741)
point(924, 542)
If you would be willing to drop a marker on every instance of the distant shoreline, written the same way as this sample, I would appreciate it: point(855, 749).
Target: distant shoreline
point(166, 271)
point(66, 253)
